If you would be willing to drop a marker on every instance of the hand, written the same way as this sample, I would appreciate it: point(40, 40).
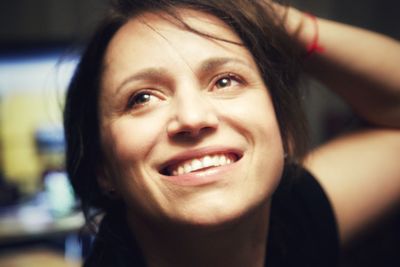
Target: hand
point(301, 26)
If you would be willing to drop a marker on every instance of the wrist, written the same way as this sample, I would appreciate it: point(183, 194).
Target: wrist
point(304, 28)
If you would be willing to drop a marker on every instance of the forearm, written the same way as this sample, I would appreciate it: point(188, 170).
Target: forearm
point(360, 66)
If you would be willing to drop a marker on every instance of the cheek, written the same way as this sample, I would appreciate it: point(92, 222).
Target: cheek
point(253, 115)
point(255, 119)
point(132, 139)
point(130, 143)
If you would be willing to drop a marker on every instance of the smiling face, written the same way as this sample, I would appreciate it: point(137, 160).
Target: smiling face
point(187, 123)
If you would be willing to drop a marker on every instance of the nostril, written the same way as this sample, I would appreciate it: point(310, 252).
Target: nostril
point(192, 119)
point(180, 129)
point(194, 133)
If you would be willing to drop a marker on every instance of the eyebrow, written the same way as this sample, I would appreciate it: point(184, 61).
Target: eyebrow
point(159, 74)
point(214, 63)
point(149, 74)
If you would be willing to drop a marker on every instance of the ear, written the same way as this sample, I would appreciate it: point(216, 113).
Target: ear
point(289, 150)
point(106, 171)
point(106, 182)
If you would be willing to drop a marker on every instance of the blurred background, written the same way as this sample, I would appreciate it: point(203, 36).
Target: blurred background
point(39, 219)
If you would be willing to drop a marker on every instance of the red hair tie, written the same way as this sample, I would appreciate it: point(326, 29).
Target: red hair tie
point(314, 46)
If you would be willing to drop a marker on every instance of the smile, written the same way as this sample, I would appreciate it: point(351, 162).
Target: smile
point(200, 164)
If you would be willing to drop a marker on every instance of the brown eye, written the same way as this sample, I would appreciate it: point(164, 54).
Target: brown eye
point(223, 82)
point(140, 99)
point(226, 81)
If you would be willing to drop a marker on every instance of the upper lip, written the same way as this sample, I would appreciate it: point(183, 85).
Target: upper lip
point(197, 153)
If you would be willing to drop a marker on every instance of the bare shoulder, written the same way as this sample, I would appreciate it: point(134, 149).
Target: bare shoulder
point(360, 173)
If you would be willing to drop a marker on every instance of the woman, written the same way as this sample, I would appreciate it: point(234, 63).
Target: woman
point(184, 127)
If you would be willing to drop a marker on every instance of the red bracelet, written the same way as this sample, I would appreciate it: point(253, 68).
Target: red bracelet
point(314, 46)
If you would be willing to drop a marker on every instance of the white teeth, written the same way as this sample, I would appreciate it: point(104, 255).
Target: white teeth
point(187, 168)
point(215, 160)
point(207, 161)
point(196, 164)
point(222, 160)
point(201, 163)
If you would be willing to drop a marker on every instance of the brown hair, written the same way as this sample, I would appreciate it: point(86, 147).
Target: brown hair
point(261, 32)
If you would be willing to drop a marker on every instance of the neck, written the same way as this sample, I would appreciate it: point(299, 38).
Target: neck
point(239, 243)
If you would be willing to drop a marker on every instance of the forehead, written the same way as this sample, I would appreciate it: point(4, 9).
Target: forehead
point(156, 26)
point(155, 39)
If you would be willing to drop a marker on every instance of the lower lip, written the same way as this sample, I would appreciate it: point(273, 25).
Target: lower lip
point(202, 178)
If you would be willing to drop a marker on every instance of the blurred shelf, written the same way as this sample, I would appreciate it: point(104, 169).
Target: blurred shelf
point(36, 257)
point(36, 225)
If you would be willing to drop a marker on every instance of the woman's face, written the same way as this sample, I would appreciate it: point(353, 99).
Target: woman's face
point(187, 123)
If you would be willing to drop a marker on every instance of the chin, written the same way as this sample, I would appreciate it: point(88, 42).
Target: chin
point(215, 215)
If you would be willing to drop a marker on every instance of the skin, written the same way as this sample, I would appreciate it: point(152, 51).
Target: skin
point(172, 95)
point(189, 112)
point(359, 171)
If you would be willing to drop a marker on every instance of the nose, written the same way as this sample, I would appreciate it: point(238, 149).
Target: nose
point(193, 116)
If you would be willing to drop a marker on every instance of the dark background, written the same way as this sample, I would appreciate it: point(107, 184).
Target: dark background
point(66, 20)
point(66, 23)
point(37, 23)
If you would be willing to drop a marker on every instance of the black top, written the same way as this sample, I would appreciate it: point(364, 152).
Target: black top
point(302, 231)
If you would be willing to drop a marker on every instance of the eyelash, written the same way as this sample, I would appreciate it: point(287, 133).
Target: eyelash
point(230, 76)
point(132, 101)
point(135, 97)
